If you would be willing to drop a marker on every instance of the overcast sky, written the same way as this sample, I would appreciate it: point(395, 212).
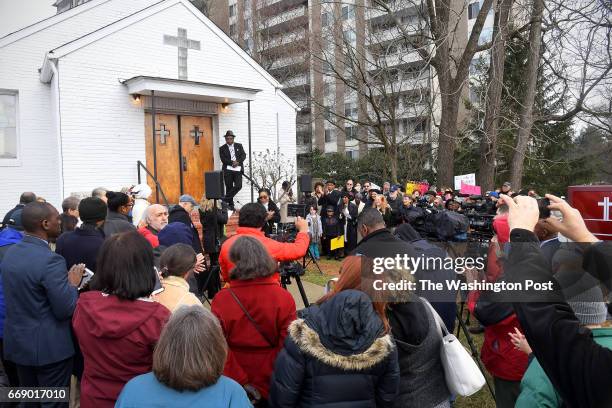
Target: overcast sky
point(16, 14)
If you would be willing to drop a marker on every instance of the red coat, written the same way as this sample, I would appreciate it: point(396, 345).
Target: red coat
point(280, 251)
point(149, 236)
point(250, 357)
point(498, 354)
point(116, 338)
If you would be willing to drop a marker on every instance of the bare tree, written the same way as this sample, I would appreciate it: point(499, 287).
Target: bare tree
point(378, 83)
point(442, 46)
point(488, 143)
point(578, 38)
point(270, 170)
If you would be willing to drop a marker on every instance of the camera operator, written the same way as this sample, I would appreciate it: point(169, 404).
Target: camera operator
point(438, 203)
point(252, 218)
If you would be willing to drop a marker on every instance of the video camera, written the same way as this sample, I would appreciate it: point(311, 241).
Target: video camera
point(290, 269)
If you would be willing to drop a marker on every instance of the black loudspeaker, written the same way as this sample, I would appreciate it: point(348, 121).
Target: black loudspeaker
point(305, 183)
point(214, 185)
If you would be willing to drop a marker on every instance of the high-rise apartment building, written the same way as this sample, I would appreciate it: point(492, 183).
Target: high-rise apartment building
point(318, 48)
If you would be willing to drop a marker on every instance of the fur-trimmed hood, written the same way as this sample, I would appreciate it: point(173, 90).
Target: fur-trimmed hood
point(343, 332)
point(308, 342)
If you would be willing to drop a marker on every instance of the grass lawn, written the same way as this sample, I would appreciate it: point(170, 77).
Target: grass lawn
point(482, 399)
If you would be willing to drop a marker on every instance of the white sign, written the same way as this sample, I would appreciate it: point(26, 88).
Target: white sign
point(469, 179)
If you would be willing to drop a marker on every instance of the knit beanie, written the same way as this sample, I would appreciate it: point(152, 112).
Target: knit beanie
point(92, 210)
point(589, 307)
point(175, 233)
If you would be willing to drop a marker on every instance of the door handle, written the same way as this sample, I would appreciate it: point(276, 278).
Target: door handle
point(184, 163)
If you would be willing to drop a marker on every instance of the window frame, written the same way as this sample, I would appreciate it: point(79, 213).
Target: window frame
point(13, 162)
point(471, 12)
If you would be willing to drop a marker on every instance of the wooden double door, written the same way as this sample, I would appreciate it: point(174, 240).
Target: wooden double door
point(182, 152)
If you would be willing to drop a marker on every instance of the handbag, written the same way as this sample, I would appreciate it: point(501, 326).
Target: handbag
point(462, 375)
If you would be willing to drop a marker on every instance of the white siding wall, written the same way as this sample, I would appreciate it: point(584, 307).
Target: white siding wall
point(102, 129)
point(39, 169)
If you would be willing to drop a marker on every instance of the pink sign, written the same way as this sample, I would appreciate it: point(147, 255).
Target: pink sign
point(467, 189)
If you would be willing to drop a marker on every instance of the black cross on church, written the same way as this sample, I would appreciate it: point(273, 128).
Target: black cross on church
point(183, 44)
point(196, 134)
point(162, 132)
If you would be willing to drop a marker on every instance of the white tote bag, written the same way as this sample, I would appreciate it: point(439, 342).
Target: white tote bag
point(463, 377)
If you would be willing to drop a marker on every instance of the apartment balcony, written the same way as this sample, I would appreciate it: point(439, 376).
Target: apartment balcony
point(269, 8)
point(397, 59)
point(299, 80)
point(270, 41)
point(400, 8)
point(392, 34)
point(284, 22)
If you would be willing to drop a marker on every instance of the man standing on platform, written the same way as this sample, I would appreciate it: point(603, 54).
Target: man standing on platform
point(232, 156)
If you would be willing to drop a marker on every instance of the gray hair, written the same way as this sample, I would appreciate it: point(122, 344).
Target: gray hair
point(99, 192)
point(191, 350)
point(70, 203)
point(147, 212)
point(251, 259)
point(371, 218)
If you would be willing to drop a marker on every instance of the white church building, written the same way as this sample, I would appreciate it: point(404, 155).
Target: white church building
point(87, 94)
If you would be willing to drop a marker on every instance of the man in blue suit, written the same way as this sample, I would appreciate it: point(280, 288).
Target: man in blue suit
point(40, 296)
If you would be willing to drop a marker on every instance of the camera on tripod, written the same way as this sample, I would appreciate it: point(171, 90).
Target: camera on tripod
point(290, 269)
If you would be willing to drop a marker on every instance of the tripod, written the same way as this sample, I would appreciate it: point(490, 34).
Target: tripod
point(311, 259)
point(286, 280)
point(470, 340)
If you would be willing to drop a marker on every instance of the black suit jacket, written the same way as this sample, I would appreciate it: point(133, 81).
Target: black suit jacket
point(225, 156)
point(269, 225)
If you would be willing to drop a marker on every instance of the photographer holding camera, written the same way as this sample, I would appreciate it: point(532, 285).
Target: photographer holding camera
point(251, 220)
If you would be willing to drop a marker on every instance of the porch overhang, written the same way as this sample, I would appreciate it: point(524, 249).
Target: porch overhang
point(183, 89)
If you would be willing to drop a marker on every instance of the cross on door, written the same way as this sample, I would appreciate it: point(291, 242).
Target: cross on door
point(162, 132)
point(196, 134)
point(183, 44)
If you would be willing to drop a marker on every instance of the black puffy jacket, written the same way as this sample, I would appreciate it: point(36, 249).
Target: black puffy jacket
point(337, 355)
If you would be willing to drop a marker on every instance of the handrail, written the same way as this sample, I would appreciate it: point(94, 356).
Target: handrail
point(159, 187)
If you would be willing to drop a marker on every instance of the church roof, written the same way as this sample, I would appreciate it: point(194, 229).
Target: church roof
point(48, 22)
point(102, 32)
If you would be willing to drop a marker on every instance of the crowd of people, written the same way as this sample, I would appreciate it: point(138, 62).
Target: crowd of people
point(112, 296)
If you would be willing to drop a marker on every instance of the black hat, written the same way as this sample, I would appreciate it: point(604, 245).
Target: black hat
point(15, 220)
point(229, 133)
point(330, 181)
point(92, 210)
point(374, 190)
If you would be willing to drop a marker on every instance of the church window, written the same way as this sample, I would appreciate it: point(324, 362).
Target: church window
point(8, 125)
